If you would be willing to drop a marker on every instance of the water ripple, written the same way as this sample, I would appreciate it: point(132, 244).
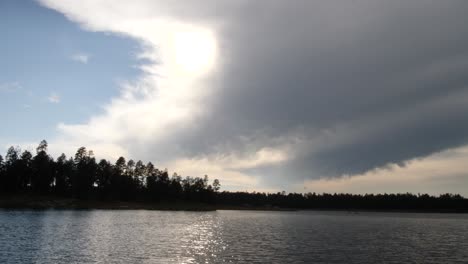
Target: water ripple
point(106, 236)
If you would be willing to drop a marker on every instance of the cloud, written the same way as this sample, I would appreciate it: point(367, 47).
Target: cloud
point(439, 173)
point(54, 98)
point(324, 89)
point(81, 57)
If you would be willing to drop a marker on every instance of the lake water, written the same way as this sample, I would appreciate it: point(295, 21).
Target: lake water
point(107, 236)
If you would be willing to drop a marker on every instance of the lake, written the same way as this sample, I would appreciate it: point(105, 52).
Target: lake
point(140, 236)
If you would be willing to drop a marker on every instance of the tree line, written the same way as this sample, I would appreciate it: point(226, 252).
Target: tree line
point(82, 177)
point(343, 201)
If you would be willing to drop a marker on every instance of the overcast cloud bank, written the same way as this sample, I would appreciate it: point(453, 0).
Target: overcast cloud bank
point(292, 92)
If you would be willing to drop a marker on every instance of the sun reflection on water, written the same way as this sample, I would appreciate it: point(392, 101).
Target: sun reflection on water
point(202, 239)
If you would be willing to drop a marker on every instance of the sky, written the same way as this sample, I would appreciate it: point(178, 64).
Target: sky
point(302, 96)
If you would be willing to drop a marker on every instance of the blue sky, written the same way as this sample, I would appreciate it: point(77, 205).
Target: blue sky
point(335, 96)
point(37, 50)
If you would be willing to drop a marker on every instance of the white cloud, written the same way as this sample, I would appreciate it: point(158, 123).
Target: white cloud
point(81, 57)
point(54, 98)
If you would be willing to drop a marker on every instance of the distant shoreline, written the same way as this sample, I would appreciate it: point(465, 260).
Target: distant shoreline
point(40, 202)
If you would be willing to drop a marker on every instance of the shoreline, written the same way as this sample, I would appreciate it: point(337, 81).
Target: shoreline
point(39, 202)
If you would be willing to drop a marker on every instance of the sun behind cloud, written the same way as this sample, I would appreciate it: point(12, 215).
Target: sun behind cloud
point(194, 50)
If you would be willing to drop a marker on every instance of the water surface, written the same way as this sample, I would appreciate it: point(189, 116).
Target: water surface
point(140, 236)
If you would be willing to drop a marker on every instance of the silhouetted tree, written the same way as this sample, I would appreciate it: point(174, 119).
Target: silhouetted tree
point(43, 170)
point(139, 174)
point(12, 173)
point(117, 179)
point(175, 187)
point(63, 175)
point(104, 175)
point(26, 168)
point(216, 185)
point(85, 173)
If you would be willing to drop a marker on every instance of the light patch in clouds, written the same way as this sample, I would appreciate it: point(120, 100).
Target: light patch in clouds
point(228, 168)
point(54, 98)
point(194, 50)
point(81, 57)
point(231, 179)
point(439, 173)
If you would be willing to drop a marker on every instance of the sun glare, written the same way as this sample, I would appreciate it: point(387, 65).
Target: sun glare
point(194, 50)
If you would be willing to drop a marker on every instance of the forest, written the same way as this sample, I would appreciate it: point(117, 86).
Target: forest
point(83, 177)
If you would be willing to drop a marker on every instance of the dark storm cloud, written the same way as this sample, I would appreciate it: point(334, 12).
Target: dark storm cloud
point(387, 79)
point(342, 86)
